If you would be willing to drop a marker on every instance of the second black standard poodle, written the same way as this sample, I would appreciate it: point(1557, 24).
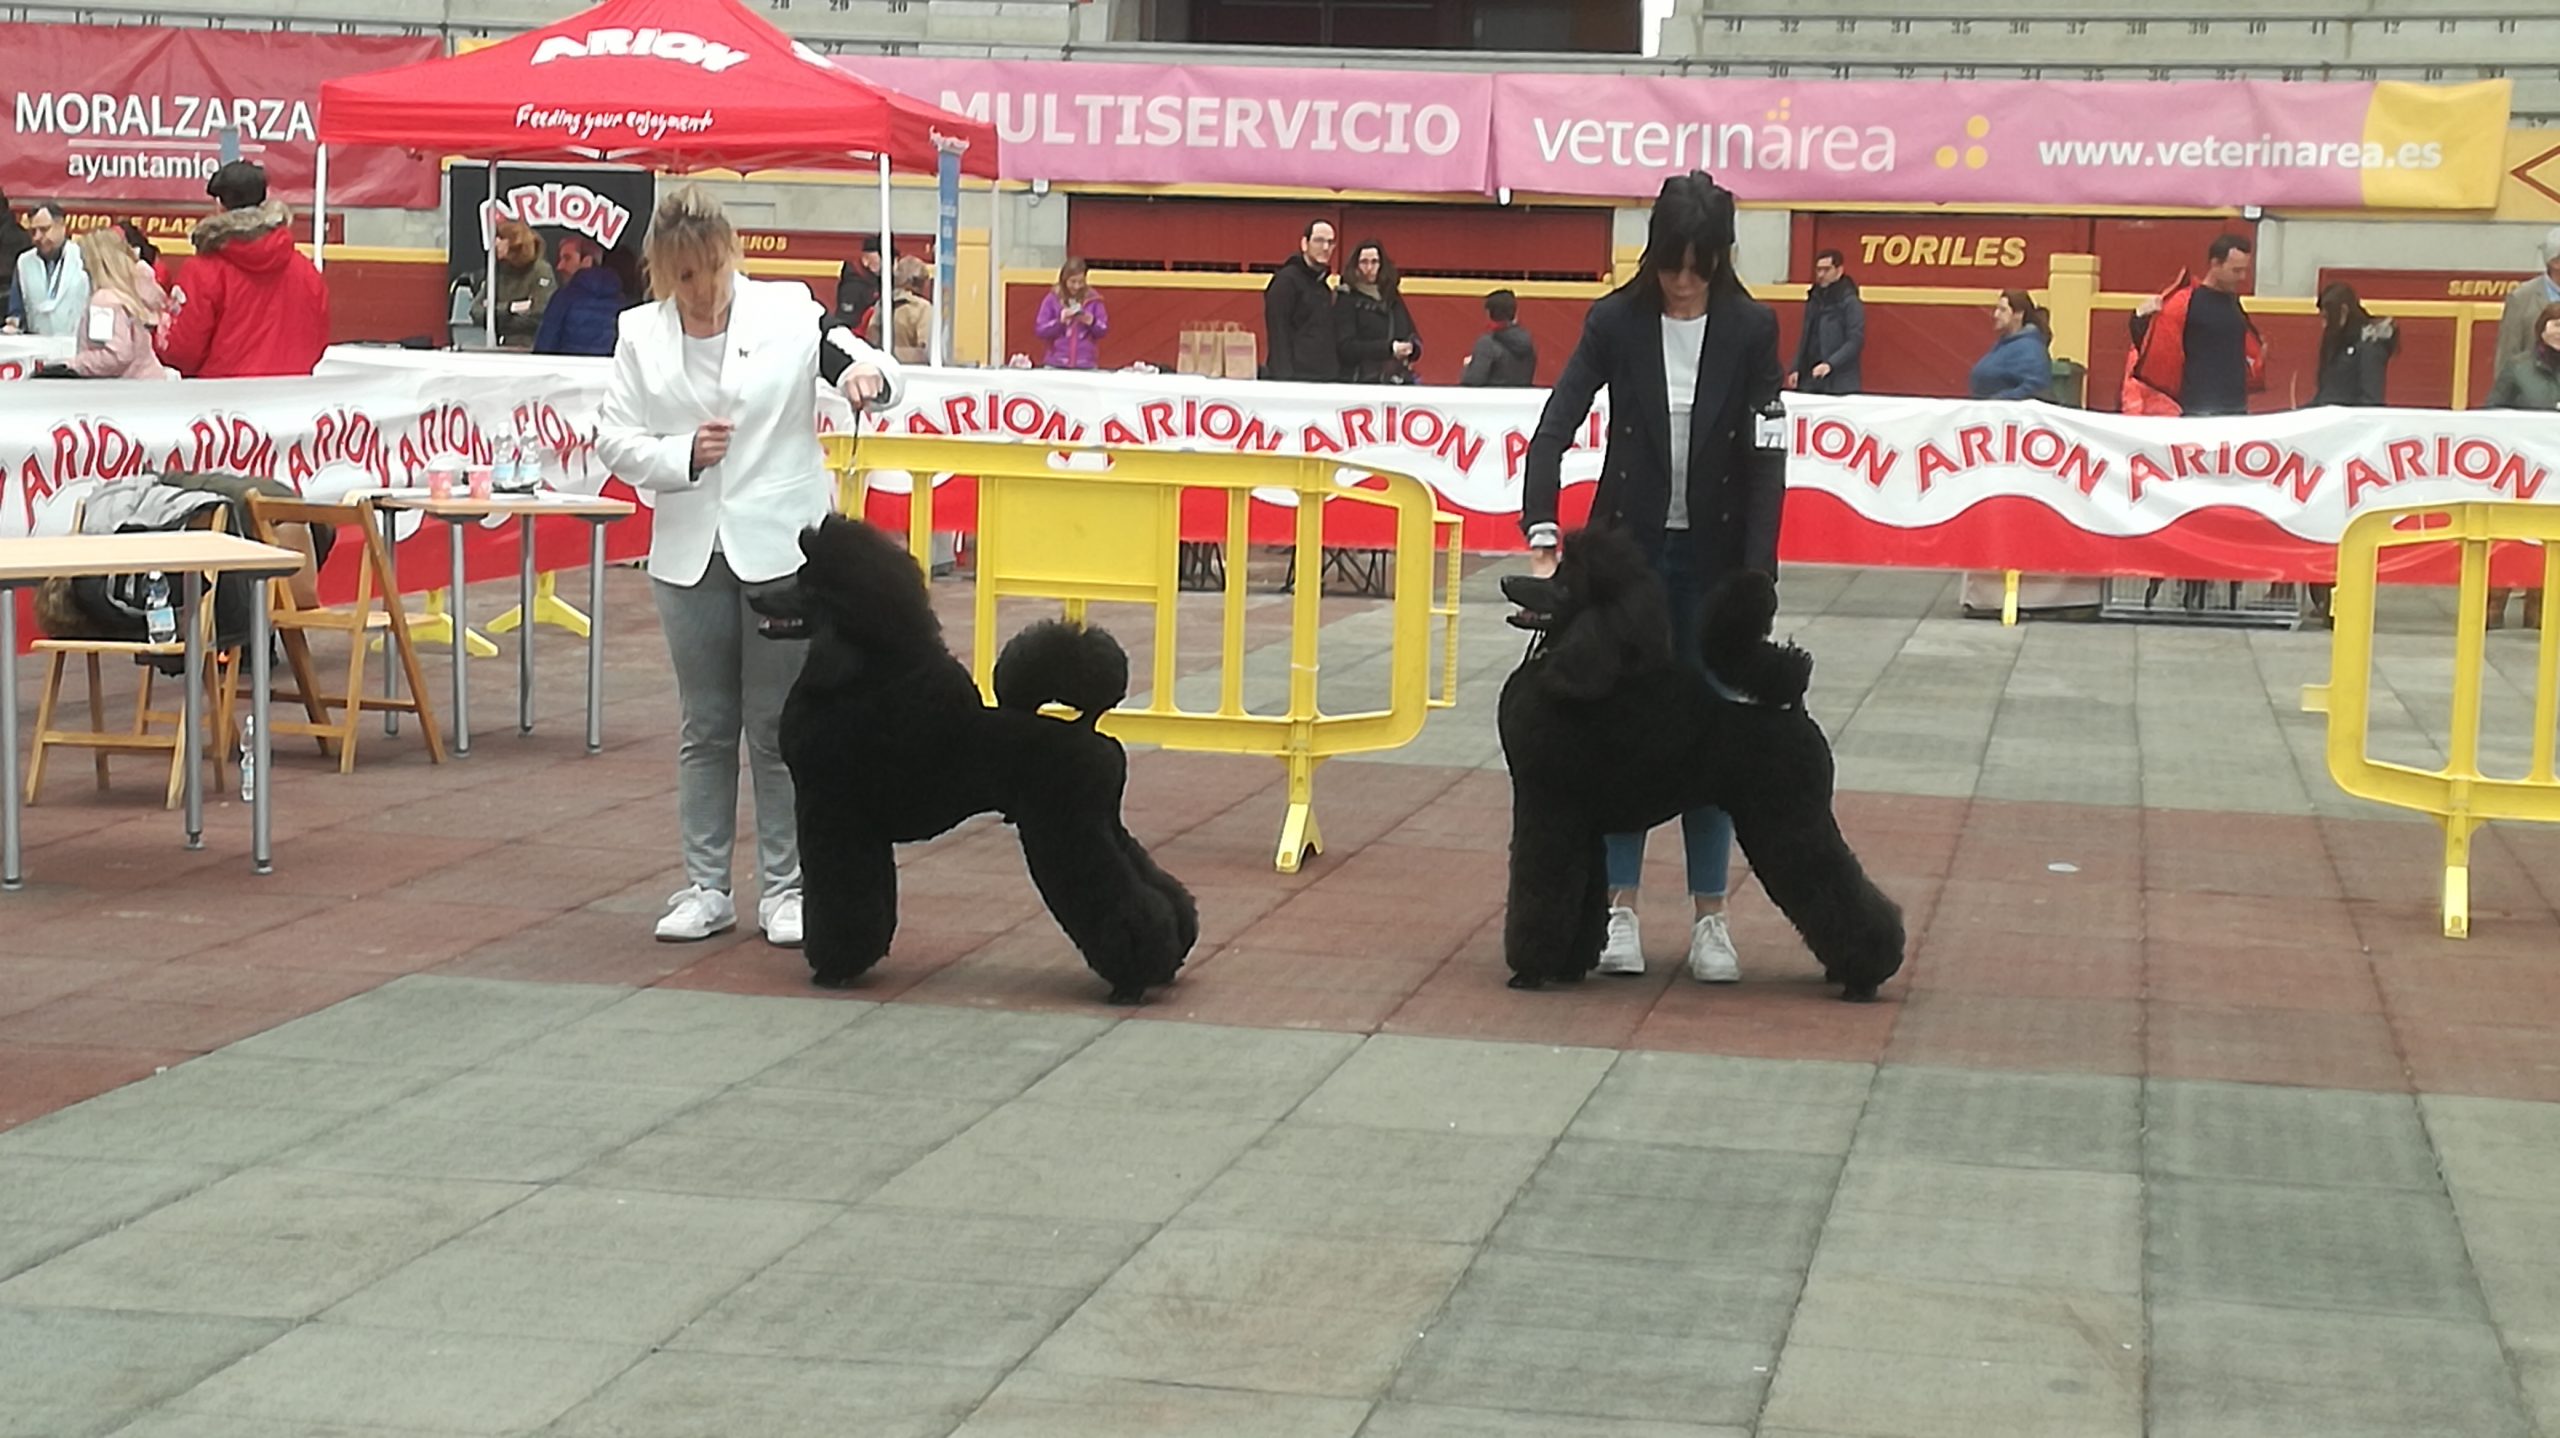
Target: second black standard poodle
point(1606, 730)
point(889, 742)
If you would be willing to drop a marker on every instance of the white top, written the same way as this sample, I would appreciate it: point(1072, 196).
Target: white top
point(702, 361)
point(752, 505)
point(1682, 342)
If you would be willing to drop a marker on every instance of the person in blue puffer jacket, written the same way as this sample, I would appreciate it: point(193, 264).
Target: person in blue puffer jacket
point(2020, 364)
point(585, 312)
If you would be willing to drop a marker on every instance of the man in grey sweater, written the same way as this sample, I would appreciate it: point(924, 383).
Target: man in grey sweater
point(2515, 323)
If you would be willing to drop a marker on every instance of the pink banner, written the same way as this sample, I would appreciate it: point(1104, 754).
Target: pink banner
point(2207, 143)
point(1413, 131)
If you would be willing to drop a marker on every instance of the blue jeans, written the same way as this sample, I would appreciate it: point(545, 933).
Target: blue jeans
point(1706, 833)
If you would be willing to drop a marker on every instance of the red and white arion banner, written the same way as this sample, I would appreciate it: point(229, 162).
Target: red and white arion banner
point(1875, 481)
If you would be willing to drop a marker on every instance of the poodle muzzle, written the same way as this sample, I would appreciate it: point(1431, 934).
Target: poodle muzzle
point(782, 611)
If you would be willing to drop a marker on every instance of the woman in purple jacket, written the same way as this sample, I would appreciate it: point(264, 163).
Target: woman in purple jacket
point(1072, 320)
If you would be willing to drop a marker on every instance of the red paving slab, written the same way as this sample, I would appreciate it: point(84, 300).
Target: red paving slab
point(2195, 945)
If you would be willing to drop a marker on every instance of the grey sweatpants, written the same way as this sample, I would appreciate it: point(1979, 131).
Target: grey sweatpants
point(729, 679)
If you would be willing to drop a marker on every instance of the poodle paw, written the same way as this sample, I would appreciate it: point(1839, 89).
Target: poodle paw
point(835, 981)
point(1858, 994)
point(1129, 997)
point(1526, 983)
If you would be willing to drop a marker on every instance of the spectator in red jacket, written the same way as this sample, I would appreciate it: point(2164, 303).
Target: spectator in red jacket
point(249, 303)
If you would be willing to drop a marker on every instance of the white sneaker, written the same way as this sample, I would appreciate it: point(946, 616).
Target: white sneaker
point(696, 913)
point(780, 919)
point(1711, 956)
point(1624, 952)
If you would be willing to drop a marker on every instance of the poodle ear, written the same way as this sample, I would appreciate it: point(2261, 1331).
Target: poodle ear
point(1585, 666)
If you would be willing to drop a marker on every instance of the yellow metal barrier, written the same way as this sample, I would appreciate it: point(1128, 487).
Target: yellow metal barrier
point(1085, 524)
point(853, 493)
point(2459, 796)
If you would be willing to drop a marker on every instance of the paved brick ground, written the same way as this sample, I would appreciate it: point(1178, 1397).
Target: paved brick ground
point(2180, 1117)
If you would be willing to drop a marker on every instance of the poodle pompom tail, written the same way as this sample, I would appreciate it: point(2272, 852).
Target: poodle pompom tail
point(1055, 662)
point(1735, 638)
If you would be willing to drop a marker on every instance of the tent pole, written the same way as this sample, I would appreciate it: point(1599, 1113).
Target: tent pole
point(489, 244)
point(996, 357)
point(320, 212)
point(888, 257)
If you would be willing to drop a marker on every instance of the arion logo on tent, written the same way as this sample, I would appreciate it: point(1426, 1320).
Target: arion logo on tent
point(558, 206)
point(681, 46)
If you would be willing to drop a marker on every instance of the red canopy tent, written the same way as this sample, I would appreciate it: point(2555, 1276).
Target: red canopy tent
point(674, 84)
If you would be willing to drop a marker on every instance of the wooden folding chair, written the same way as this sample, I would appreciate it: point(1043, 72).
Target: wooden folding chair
point(222, 687)
point(338, 717)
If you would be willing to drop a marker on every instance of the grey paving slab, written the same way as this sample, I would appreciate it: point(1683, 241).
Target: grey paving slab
point(483, 1289)
point(832, 1119)
point(285, 1203)
point(2222, 1370)
point(2511, 1253)
point(1617, 1295)
point(667, 1038)
point(2357, 1250)
point(612, 1109)
point(690, 1395)
point(808, 1169)
point(208, 1135)
point(812, 1313)
point(1038, 1404)
point(2496, 1148)
point(71, 1374)
point(1457, 1086)
point(206, 1425)
point(2261, 1133)
point(1799, 1106)
point(726, 1232)
point(1255, 1073)
point(1904, 1395)
point(938, 1247)
point(138, 1270)
point(2069, 1121)
point(1766, 1220)
point(420, 1147)
point(2044, 1327)
point(1072, 1162)
point(1910, 1219)
point(230, 1078)
point(47, 1190)
point(327, 1373)
point(1587, 1375)
point(938, 1052)
point(1342, 1179)
point(1429, 1420)
point(434, 1022)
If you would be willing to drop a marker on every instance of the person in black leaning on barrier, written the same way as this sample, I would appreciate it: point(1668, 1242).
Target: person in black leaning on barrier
point(1505, 357)
point(1371, 326)
point(1690, 361)
point(1297, 312)
point(1830, 352)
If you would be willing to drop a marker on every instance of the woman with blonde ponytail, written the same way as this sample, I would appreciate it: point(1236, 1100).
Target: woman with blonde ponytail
point(125, 304)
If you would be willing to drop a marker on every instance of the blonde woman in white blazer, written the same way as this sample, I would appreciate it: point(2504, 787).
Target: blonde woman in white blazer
point(713, 407)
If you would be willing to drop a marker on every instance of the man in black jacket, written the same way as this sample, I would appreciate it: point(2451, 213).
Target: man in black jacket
point(1297, 312)
point(1504, 357)
point(1835, 331)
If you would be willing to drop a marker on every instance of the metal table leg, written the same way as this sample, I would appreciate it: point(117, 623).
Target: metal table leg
point(524, 632)
point(261, 755)
point(191, 721)
point(461, 647)
point(390, 596)
point(11, 876)
point(595, 637)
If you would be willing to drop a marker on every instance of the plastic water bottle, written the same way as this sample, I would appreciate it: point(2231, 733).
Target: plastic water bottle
point(158, 612)
point(248, 757)
point(528, 454)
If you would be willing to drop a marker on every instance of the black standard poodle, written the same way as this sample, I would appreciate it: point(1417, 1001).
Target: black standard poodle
point(1607, 731)
point(888, 743)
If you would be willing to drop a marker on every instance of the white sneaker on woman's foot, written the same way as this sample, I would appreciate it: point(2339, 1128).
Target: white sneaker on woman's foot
point(780, 917)
point(1624, 952)
point(1711, 956)
point(696, 913)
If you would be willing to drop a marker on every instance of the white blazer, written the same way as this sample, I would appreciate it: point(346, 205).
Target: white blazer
point(774, 482)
